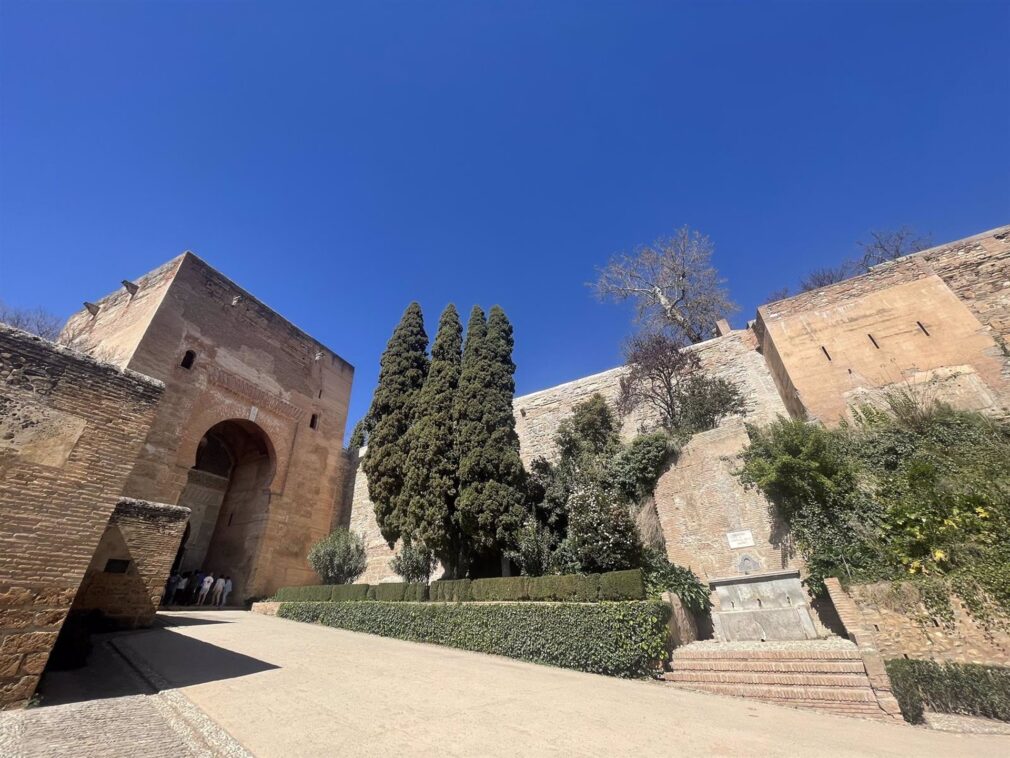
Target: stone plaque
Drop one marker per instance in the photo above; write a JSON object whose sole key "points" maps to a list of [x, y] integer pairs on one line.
{"points": [[740, 539]]}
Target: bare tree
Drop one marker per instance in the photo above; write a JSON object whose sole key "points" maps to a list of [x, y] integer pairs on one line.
{"points": [[888, 245], [675, 287], [33, 320], [880, 248], [665, 376]]}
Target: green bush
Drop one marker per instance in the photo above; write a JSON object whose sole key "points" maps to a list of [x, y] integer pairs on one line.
{"points": [[571, 587], [416, 592], [500, 588], [662, 576], [339, 558], [964, 688], [620, 639], [310, 593], [388, 592], [450, 590], [347, 592], [622, 585]]}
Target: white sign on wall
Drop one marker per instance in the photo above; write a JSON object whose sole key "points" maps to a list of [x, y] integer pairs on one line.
{"points": [[740, 539]]}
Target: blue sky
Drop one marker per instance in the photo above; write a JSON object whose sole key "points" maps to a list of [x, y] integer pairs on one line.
{"points": [[341, 159]]}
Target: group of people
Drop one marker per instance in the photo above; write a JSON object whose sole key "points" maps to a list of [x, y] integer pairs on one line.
{"points": [[195, 587]]}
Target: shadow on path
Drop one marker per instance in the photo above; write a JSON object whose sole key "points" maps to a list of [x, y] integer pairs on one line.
{"points": [[181, 661]]}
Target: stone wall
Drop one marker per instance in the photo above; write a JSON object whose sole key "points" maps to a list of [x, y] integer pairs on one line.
{"points": [[699, 500], [70, 431], [893, 620], [140, 540], [945, 309], [251, 366]]}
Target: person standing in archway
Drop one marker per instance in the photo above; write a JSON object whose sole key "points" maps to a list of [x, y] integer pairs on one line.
{"points": [[215, 595], [227, 590], [208, 582]]}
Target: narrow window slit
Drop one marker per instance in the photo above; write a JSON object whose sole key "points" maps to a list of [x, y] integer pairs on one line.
{"points": [[873, 341], [924, 331], [314, 421], [187, 359], [826, 353]]}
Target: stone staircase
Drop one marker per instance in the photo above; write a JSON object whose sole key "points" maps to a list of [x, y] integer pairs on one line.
{"points": [[827, 675]]}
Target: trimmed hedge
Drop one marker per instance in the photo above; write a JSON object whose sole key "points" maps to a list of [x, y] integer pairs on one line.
{"points": [[347, 592], [569, 587], [314, 592], [576, 588], [450, 590], [966, 688], [622, 585], [620, 639]]}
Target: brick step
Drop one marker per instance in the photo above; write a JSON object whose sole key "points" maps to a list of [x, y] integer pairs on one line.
{"points": [[785, 692], [737, 664], [769, 677], [709, 653]]}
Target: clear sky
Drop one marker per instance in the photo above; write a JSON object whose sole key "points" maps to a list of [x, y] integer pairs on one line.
{"points": [[341, 159]]}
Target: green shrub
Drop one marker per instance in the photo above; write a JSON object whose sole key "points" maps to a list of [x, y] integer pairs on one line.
{"points": [[622, 585], [388, 592], [620, 639], [416, 592], [339, 558], [500, 588], [662, 576], [450, 590], [571, 587], [964, 688], [347, 592], [414, 563], [310, 593]]}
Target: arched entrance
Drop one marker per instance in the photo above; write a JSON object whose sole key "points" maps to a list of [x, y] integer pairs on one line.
{"points": [[228, 492]]}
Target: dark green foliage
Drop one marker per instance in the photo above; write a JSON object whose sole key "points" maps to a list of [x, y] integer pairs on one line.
{"points": [[339, 558], [574, 588], [967, 689], [403, 368], [414, 563], [416, 592], [622, 585], [534, 548], [620, 639], [348, 592], [309, 593], [387, 592], [431, 477], [490, 506], [501, 588], [358, 435], [635, 470], [914, 490], [662, 576], [450, 591], [601, 532]]}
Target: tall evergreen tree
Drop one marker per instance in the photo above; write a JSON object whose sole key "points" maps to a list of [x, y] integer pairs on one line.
{"points": [[403, 368], [431, 479], [490, 508]]}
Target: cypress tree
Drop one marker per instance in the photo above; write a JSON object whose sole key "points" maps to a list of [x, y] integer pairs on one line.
{"points": [[490, 507], [431, 480], [403, 368]]}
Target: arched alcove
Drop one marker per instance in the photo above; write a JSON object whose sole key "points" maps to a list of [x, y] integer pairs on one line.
{"points": [[228, 492]]}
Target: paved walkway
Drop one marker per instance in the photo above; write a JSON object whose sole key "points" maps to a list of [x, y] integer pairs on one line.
{"points": [[281, 688]]}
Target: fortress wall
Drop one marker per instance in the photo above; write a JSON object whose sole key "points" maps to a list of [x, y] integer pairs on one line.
{"points": [[70, 431]]}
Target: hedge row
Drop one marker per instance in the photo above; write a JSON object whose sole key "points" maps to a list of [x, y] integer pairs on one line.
{"points": [[617, 585], [345, 592], [620, 639], [964, 688]]}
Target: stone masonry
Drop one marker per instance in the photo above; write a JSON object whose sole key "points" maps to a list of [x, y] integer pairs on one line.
{"points": [[70, 430]]}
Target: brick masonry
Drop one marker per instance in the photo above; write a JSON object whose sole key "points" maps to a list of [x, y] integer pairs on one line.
{"points": [[146, 535], [259, 373], [72, 428]]}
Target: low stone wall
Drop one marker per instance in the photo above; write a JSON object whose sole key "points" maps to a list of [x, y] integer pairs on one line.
{"points": [[892, 616]]}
